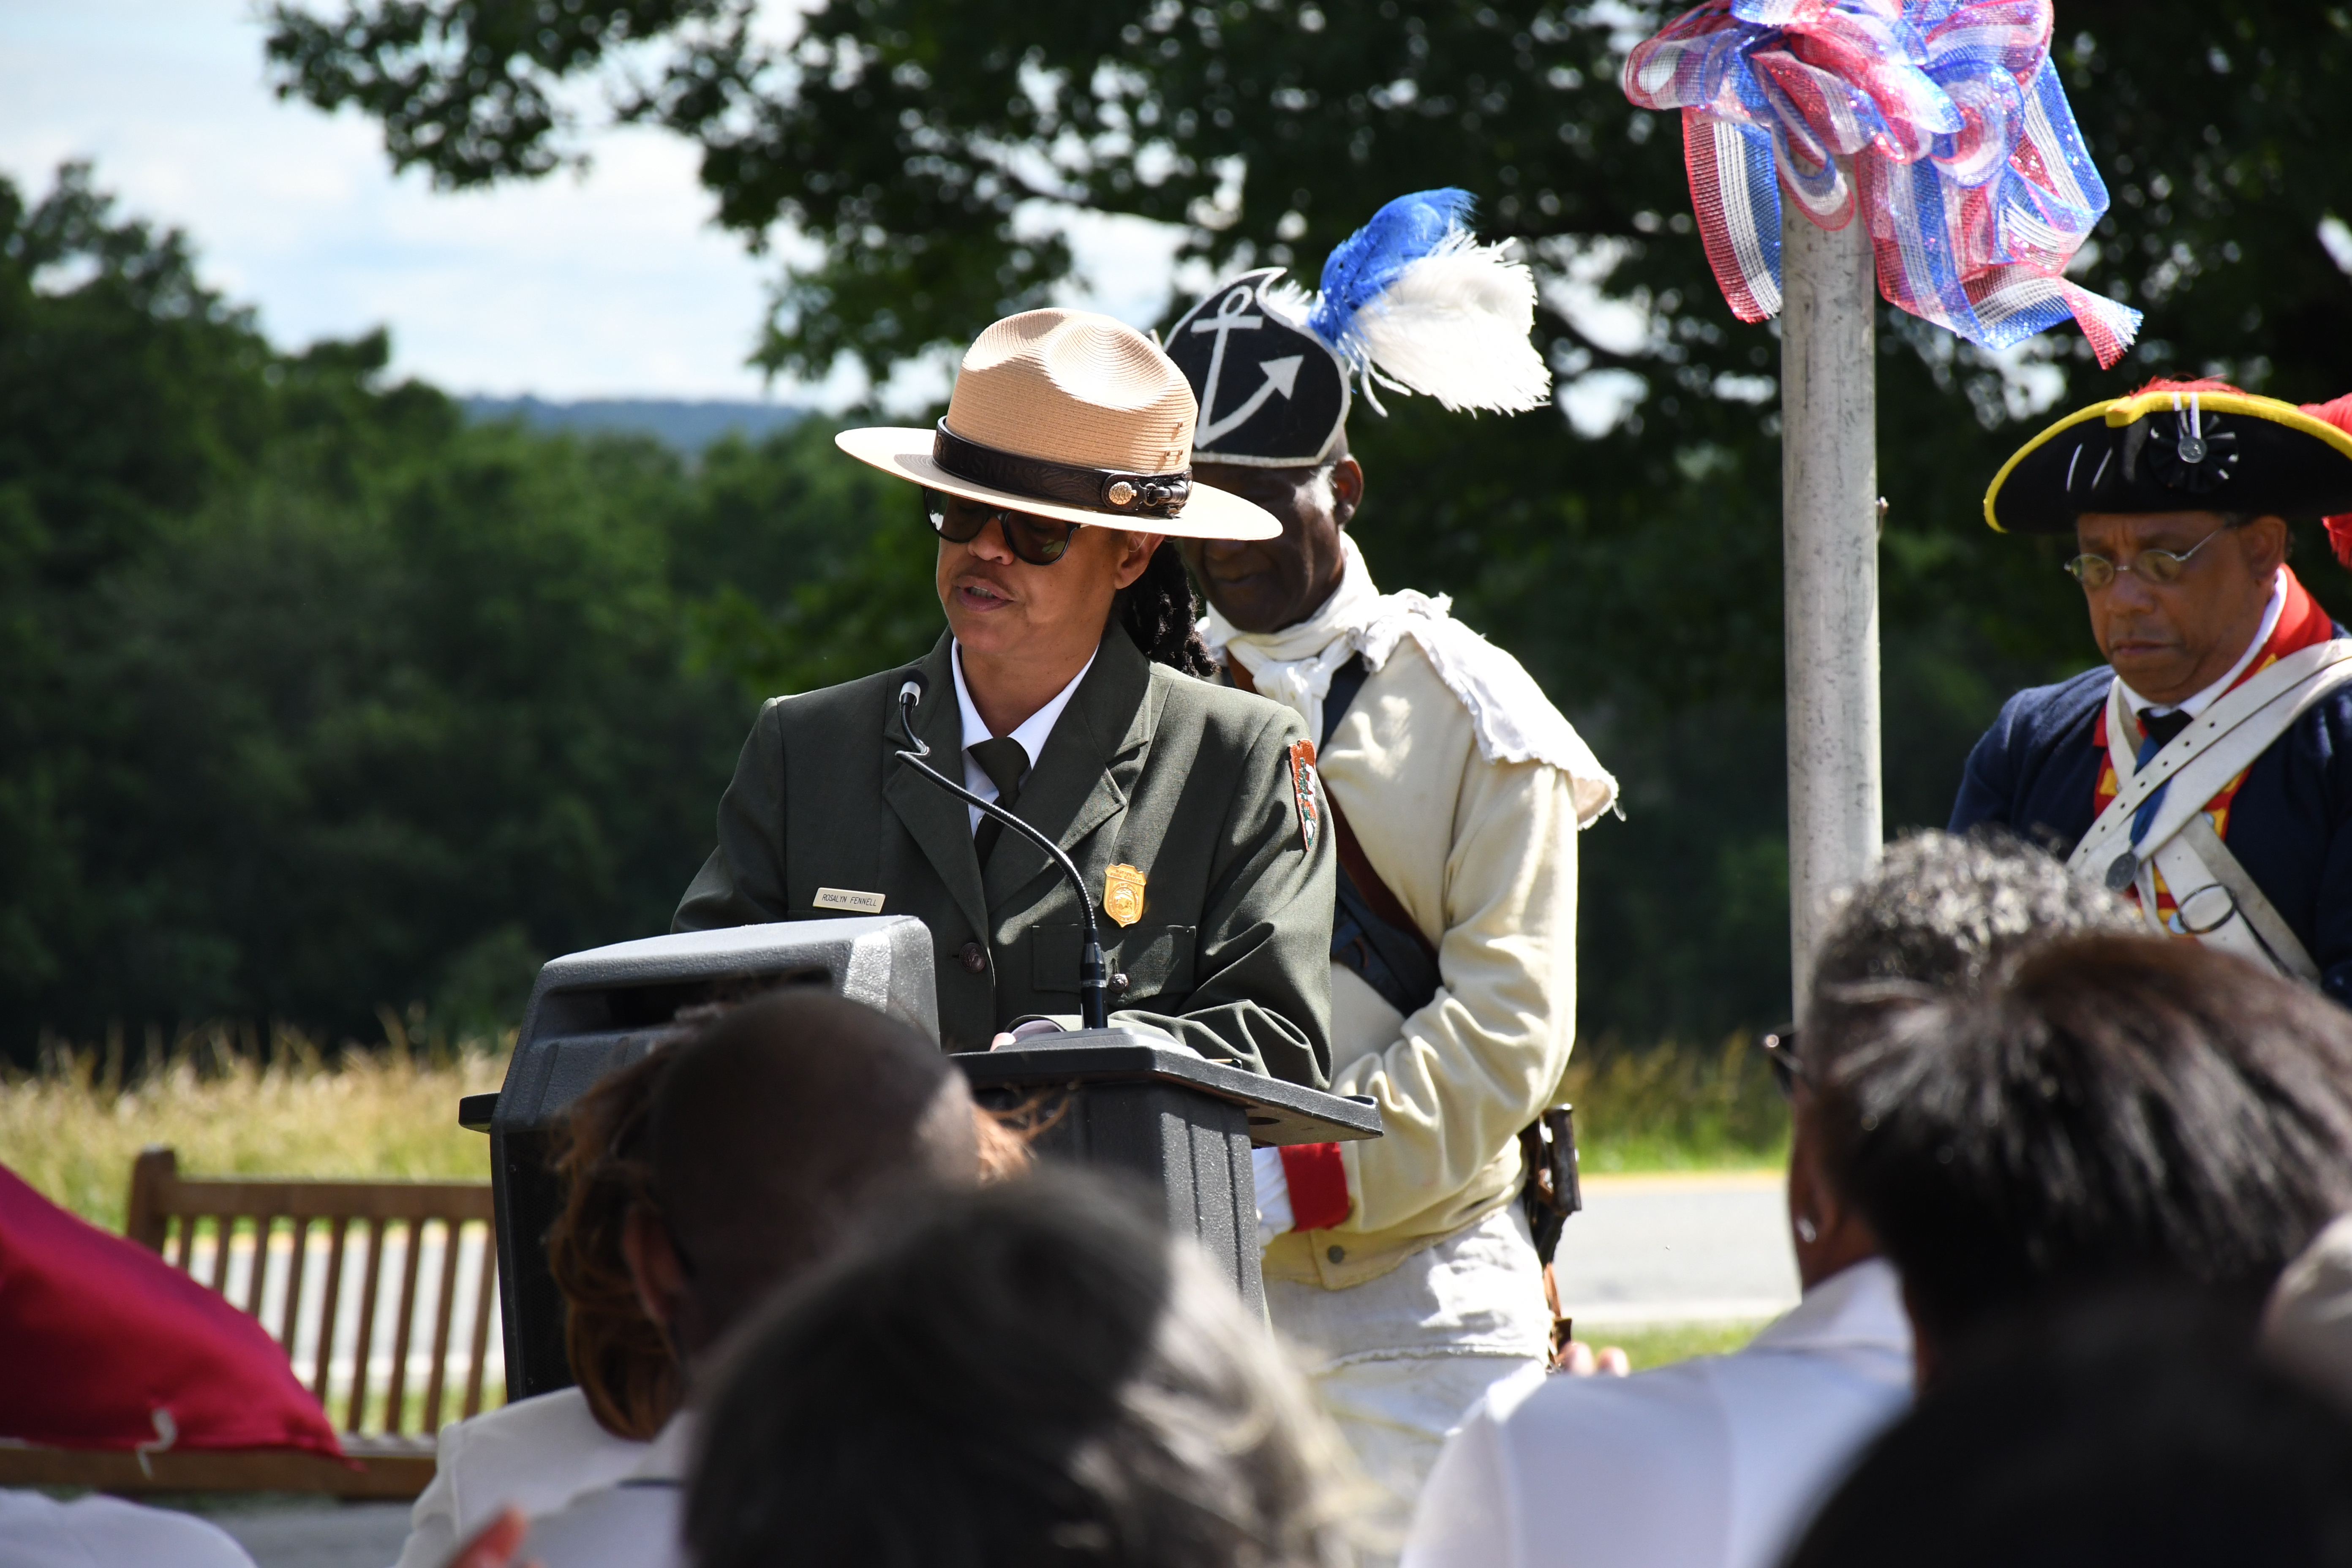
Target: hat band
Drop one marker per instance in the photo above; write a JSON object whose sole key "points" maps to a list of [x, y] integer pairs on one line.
{"points": [[1065, 484]]}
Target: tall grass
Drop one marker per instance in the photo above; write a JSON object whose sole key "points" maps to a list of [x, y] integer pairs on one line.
{"points": [[1674, 1106], [235, 1102]]}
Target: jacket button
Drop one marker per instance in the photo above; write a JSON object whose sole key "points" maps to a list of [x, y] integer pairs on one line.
{"points": [[974, 957], [1338, 1255]]}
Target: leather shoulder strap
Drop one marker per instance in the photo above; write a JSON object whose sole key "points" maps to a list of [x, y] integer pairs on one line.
{"points": [[2269, 927], [1407, 972], [2209, 753], [1346, 681]]}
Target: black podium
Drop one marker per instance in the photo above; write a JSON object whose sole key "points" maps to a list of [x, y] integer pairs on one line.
{"points": [[1138, 1101], [1134, 1099]]}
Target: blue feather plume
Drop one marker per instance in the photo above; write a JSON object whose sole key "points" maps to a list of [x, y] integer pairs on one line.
{"points": [[1372, 259], [1414, 302]]}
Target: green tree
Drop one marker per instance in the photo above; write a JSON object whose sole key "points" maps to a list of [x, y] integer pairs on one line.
{"points": [[319, 699], [930, 150]]}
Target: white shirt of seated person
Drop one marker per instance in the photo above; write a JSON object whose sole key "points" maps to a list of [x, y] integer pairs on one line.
{"points": [[536, 1455], [1715, 1462], [635, 1521], [39, 1531]]}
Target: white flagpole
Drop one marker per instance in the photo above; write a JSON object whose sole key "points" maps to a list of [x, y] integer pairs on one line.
{"points": [[1829, 499]]}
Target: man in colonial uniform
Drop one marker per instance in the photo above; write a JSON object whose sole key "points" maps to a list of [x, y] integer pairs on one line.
{"points": [[1456, 792], [2206, 770]]}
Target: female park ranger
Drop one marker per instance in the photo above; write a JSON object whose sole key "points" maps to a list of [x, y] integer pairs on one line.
{"points": [[1068, 681]]}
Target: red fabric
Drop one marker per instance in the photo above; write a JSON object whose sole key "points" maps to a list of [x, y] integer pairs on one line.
{"points": [[2339, 527], [1318, 1185], [99, 1334], [2202, 383]]}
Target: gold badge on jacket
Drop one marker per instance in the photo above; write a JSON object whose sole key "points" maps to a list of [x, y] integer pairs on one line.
{"points": [[1123, 894]]}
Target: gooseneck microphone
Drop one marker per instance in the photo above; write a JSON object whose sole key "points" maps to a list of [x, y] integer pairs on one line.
{"points": [[1093, 1009]]}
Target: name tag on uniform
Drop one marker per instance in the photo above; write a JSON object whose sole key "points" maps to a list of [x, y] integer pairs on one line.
{"points": [[849, 899]]}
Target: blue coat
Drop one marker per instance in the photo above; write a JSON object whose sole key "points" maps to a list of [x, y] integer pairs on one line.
{"points": [[2036, 768]]}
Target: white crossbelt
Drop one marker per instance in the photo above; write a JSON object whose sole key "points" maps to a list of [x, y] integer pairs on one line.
{"points": [[2213, 898]]}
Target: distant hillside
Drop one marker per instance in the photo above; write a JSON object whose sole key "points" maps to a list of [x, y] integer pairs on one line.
{"points": [[687, 426]]}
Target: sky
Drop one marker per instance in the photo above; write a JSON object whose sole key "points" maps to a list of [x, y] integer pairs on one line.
{"points": [[608, 285]]}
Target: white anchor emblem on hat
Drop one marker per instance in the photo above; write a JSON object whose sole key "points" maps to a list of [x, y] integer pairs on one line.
{"points": [[1281, 374]]}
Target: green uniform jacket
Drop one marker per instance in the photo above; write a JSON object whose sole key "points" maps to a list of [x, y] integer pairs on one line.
{"points": [[1187, 782]]}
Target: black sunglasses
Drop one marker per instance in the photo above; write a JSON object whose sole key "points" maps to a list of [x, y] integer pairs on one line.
{"points": [[1039, 541], [1779, 1048]]}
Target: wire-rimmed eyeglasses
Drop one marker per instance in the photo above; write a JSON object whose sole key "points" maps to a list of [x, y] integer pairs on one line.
{"points": [[2156, 565]]}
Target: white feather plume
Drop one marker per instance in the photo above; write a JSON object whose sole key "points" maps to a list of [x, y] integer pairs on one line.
{"points": [[1454, 326]]}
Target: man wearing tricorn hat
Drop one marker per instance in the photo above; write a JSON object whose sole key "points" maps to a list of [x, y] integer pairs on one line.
{"points": [[1456, 791], [1066, 683], [2204, 771]]}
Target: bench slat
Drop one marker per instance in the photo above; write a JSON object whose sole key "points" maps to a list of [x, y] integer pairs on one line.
{"points": [[336, 1227], [484, 1277], [395, 1397], [356, 1411], [442, 1315]]}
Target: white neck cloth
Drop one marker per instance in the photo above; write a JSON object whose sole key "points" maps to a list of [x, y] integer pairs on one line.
{"points": [[1515, 722]]}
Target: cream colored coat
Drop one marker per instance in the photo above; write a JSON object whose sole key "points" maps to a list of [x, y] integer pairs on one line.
{"points": [[1482, 856]]}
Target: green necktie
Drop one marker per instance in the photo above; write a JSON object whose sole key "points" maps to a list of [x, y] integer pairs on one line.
{"points": [[1003, 760]]}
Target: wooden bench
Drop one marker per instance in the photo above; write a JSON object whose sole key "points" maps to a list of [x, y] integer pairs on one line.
{"points": [[314, 1261]]}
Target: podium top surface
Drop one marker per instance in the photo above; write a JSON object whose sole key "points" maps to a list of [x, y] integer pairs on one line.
{"points": [[708, 951], [1279, 1112]]}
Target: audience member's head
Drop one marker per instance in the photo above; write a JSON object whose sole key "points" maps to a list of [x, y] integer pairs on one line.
{"points": [[2109, 1111], [2136, 1432], [619, 1356], [1938, 914], [1031, 1373], [770, 1136]]}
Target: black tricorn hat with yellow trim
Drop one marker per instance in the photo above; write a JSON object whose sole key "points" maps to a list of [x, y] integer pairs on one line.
{"points": [[2201, 446]]}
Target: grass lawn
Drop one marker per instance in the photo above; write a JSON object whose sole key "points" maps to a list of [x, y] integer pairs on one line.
{"points": [[231, 1107], [233, 1104], [1647, 1345]]}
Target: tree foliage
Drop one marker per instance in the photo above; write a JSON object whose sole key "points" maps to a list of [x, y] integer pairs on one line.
{"points": [[320, 700]]}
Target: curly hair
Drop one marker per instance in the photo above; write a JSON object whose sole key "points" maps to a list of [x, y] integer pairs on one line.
{"points": [[621, 1359], [1157, 609]]}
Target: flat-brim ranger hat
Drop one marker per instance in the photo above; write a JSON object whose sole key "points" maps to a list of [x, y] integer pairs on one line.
{"points": [[2175, 446], [1071, 415]]}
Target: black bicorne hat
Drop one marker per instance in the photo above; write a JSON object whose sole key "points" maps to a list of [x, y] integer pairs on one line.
{"points": [[1272, 394], [2169, 448]]}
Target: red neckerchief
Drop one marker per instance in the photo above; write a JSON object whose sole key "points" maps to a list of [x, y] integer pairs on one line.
{"points": [[2302, 623]]}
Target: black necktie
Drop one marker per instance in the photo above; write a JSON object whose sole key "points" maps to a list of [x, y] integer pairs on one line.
{"points": [[2162, 727], [1003, 760]]}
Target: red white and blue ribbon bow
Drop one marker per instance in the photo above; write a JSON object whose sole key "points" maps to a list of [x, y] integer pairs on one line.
{"points": [[1964, 156]]}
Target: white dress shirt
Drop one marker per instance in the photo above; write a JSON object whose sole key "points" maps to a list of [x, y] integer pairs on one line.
{"points": [[39, 1531], [1717, 1462], [537, 1454], [635, 1523], [1030, 732]]}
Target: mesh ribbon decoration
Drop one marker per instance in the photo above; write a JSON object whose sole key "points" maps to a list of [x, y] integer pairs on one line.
{"points": [[1943, 120]]}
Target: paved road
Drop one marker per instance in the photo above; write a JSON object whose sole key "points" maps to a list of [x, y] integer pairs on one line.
{"points": [[1678, 1248]]}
